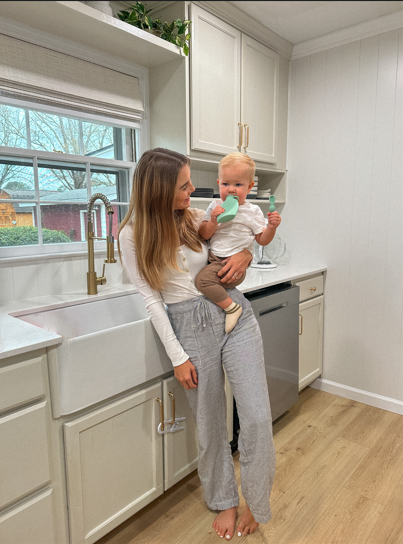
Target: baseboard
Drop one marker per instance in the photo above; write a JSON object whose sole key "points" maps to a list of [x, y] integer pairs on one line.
{"points": [[385, 403]]}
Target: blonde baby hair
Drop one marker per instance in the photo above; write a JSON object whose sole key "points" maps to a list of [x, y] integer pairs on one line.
{"points": [[238, 158]]}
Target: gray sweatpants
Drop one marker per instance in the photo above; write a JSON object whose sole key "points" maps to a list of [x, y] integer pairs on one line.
{"points": [[199, 326]]}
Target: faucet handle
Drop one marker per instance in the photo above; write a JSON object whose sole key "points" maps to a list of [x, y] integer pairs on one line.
{"points": [[102, 279]]}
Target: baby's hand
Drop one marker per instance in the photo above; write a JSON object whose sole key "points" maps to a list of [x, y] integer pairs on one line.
{"points": [[274, 219], [218, 210]]}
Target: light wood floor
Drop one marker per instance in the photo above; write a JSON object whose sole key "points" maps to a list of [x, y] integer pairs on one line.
{"points": [[339, 480]]}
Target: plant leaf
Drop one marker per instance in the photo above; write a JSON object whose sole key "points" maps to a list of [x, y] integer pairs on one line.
{"points": [[186, 49], [187, 37]]}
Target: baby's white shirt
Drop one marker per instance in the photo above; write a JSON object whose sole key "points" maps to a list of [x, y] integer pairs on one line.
{"points": [[239, 233]]}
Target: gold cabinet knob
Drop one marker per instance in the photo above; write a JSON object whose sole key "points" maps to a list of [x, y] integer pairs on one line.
{"points": [[313, 289]]}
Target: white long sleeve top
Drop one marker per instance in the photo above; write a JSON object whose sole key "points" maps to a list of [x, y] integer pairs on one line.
{"points": [[179, 286]]}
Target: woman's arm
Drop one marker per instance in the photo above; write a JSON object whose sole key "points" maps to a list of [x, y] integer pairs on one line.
{"points": [[153, 301], [235, 265]]}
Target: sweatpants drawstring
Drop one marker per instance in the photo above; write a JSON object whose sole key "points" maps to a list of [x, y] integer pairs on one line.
{"points": [[201, 314]]}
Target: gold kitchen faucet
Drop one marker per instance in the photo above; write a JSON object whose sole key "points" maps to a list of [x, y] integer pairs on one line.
{"points": [[92, 280]]}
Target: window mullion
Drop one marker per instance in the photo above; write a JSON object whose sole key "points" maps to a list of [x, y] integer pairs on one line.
{"points": [[28, 129], [37, 198], [88, 178], [81, 136]]}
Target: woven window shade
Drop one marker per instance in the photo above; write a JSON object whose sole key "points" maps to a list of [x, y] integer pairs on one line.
{"points": [[41, 75]]}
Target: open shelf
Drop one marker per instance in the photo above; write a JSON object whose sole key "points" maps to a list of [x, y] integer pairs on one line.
{"points": [[90, 27], [252, 200], [208, 165]]}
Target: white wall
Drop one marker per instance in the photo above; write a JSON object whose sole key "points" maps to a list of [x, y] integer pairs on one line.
{"points": [[34, 278], [345, 202]]}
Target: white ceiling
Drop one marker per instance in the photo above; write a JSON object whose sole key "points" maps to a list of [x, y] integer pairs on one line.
{"points": [[300, 21]]}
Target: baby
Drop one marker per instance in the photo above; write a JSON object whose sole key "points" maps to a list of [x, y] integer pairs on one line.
{"points": [[235, 173]]}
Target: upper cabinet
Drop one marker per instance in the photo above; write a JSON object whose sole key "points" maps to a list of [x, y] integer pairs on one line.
{"points": [[230, 95], [234, 90], [259, 99], [215, 86]]}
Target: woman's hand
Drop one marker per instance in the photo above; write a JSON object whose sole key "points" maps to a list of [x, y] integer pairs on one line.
{"points": [[235, 265], [186, 375]]}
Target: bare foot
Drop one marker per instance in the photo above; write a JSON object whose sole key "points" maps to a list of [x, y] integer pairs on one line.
{"points": [[247, 524], [224, 523]]}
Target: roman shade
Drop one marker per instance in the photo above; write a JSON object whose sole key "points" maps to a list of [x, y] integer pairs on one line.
{"points": [[38, 74]]}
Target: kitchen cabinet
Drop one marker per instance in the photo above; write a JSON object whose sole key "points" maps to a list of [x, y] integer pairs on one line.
{"points": [[201, 107], [234, 90], [181, 449], [311, 330], [215, 69], [27, 510], [117, 462], [114, 463]]}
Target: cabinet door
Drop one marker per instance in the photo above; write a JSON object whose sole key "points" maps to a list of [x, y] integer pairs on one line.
{"points": [[310, 341], [181, 449], [259, 91], [114, 464], [215, 84]]}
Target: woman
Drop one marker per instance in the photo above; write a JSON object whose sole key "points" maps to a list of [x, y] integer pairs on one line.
{"points": [[163, 253]]}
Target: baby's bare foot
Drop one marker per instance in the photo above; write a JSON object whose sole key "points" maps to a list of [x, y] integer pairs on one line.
{"points": [[224, 523], [247, 524]]}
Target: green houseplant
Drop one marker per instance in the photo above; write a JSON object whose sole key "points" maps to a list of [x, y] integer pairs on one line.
{"points": [[175, 32]]}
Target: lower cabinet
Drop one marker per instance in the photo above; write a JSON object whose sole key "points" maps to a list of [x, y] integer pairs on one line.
{"points": [[27, 505], [29, 523], [310, 329], [181, 449], [310, 340], [117, 461]]}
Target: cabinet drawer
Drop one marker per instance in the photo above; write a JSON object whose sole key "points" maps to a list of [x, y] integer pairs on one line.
{"points": [[310, 288], [30, 522], [24, 459], [22, 382]]}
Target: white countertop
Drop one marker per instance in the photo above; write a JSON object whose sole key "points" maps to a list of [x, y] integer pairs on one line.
{"points": [[17, 336]]}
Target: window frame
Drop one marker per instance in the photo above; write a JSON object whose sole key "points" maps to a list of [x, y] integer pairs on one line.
{"points": [[132, 149]]}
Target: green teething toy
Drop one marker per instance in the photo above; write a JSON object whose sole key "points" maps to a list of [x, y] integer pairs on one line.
{"points": [[230, 206], [272, 200]]}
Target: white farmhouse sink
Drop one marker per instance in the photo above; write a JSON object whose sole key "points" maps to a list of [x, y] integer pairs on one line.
{"points": [[109, 346]]}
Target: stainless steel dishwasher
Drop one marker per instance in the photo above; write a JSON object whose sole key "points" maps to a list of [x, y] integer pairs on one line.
{"points": [[277, 312]]}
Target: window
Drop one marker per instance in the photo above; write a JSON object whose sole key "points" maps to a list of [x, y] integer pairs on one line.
{"points": [[51, 163]]}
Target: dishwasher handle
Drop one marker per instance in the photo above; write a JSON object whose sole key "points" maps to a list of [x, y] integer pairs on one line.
{"points": [[273, 309]]}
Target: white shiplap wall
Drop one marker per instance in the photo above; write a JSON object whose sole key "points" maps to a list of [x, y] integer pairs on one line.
{"points": [[345, 203]]}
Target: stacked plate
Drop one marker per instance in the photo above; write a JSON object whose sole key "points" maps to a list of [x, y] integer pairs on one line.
{"points": [[254, 190], [203, 192], [264, 194]]}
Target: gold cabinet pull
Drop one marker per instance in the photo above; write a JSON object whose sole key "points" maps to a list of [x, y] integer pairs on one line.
{"points": [[241, 131], [161, 414], [313, 289], [173, 407], [302, 324], [247, 136]]}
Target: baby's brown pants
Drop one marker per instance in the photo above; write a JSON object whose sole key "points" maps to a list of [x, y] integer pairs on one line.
{"points": [[208, 283]]}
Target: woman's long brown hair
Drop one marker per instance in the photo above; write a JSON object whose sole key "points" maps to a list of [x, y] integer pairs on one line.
{"points": [[158, 230]]}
